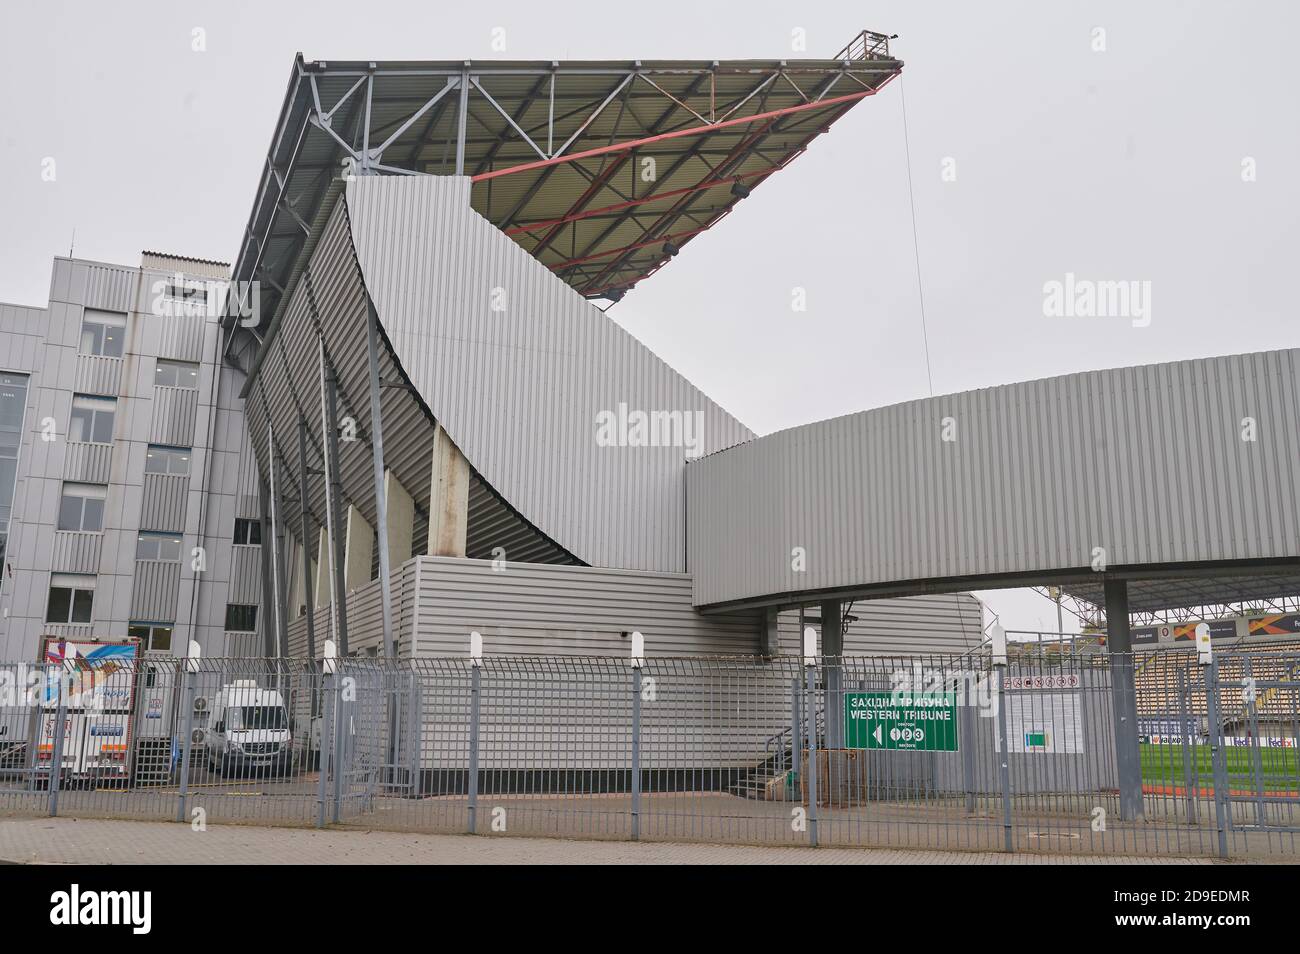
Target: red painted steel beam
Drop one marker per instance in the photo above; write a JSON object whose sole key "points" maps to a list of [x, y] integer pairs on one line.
{"points": [[627, 248], [675, 134], [619, 206], [627, 283]]}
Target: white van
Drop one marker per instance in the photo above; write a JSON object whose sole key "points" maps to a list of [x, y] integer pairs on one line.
{"points": [[248, 731]]}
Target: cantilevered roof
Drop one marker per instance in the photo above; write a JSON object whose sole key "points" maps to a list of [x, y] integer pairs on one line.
{"points": [[602, 170]]}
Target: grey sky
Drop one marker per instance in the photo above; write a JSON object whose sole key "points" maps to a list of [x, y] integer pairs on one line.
{"points": [[1117, 165]]}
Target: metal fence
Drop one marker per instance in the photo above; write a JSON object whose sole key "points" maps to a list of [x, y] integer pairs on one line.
{"points": [[941, 752]]}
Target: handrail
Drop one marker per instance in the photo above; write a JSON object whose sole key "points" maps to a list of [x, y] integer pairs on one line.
{"points": [[866, 45]]}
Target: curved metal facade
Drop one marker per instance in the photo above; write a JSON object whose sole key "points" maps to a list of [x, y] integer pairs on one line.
{"points": [[516, 366], [1150, 464]]}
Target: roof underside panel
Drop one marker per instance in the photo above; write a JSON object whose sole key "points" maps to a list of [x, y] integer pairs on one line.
{"points": [[632, 154], [519, 370]]}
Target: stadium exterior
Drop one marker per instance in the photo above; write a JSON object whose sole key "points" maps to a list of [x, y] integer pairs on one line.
{"points": [[143, 401], [400, 418], [408, 397]]}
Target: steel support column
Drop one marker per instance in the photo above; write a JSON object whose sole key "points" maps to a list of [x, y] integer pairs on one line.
{"points": [[308, 582], [333, 500], [833, 672], [267, 610], [381, 494], [280, 601], [1123, 694]]}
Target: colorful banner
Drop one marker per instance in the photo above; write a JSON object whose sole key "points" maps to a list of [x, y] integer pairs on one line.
{"points": [[1277, 624]]}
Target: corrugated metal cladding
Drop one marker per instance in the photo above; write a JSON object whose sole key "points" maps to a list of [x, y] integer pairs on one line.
{"points": [[331, 302], [948, 623], [107, 287], [180, 337], [534, 608], [519, 389], [87, 463], [174, 411], [1148, 463], [75, 552], [163, 502], [245, 575], [154, 589], [190, 267], [97, 374]]}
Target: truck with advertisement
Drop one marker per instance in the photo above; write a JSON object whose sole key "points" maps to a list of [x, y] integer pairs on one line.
{"points": [[93, 683]]}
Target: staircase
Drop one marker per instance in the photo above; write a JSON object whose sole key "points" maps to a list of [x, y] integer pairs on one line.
{"points": [[780, 761]]}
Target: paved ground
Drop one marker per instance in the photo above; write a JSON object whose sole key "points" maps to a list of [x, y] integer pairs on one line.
{"points": [[69, 840]]}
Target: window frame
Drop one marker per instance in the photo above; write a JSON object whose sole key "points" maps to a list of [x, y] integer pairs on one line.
{"points": [[178, 367], [100, 322], [70, 491], [252, 611], [158, 537], [82, 595], [250, 525], [171, 454], [97, 408]]}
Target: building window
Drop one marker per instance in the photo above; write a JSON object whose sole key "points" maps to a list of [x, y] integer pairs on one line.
{"points": [[13, 409], [102, 333], [176, 374], [158, 546], [82, 507], [167, 460], [72, 597], [248, 532], [189, 293], [92, 419], [156, 637], [241, 618]]}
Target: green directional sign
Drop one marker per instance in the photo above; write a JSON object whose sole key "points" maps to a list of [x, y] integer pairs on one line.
{"points": [[901, 721]]}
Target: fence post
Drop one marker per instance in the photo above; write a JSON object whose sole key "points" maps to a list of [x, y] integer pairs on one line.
{"points": [[1217, 754], [56, 756], [810, 706], [999, 637], [323, 751], [475, 703], [638, 660], [1189, 782], [191, 668], [413, 735], [966, 732], [338, 755]]}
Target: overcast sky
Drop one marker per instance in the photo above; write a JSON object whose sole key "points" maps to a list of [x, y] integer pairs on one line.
{"points": [[1131, 162]]}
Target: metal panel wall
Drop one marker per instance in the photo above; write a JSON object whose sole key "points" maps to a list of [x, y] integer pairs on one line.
{"points": [[534, 608], [156, 586], [163, 503], [75, 552], [87, 463], [107, 287], [517, 366], [246, 574], [174, 411], [1148, 464], [947, 623], [97, 374], [331, 303], [181, 337]]}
